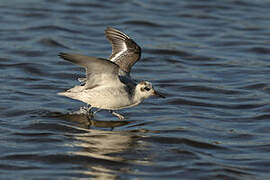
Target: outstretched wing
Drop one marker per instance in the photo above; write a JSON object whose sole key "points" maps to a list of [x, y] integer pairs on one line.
{"points": [[125, 52], [99, 71]]}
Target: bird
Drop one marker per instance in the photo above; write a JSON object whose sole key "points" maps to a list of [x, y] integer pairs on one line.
{"points": [[108, 84]]}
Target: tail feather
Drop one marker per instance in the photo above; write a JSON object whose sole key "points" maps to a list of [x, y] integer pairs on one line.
{"points": [[62, 93]]}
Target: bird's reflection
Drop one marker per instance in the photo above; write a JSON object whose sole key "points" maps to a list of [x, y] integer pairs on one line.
{"points": [[86, 121], [106, 152]]}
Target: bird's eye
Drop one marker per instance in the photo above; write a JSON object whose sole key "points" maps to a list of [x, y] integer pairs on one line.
{"points": [[147, 89]]}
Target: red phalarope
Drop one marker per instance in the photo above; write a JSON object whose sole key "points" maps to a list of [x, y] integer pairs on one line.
{"points": [[108, 84]]}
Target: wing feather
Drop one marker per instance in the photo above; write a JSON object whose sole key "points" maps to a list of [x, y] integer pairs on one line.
{"points": [[99, 72], [125, 52]]}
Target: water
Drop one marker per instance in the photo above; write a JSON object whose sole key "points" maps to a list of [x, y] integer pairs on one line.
{"points": [[210, 58]]}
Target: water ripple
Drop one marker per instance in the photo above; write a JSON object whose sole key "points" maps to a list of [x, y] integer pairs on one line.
{"points": [[208, 58]]}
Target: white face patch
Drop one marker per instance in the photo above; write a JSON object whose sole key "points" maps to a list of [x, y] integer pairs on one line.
{"points": [[145, 86]]}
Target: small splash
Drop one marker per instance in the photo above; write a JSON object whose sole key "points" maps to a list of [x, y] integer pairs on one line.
{"points": [[82, 111]]}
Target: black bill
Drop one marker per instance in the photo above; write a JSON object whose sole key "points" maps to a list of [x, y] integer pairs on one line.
{"points": [[158, 94]]}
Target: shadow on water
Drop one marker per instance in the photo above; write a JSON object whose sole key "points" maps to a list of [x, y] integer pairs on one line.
{"points": [[88, 122], [84, 152], [100, 149]]}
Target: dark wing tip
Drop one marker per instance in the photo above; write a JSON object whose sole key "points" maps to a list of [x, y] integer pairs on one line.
{"points": [[63, 55], [109, 28], [112, 33], [71, 58]]}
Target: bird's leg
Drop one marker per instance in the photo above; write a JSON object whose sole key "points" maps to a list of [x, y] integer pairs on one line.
{"points": [[83, 110], [96, 111], [89, 107], [90, 114], [121, 117]]}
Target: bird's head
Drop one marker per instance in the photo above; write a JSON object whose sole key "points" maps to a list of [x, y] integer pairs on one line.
{"points": [[145, 89]]}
